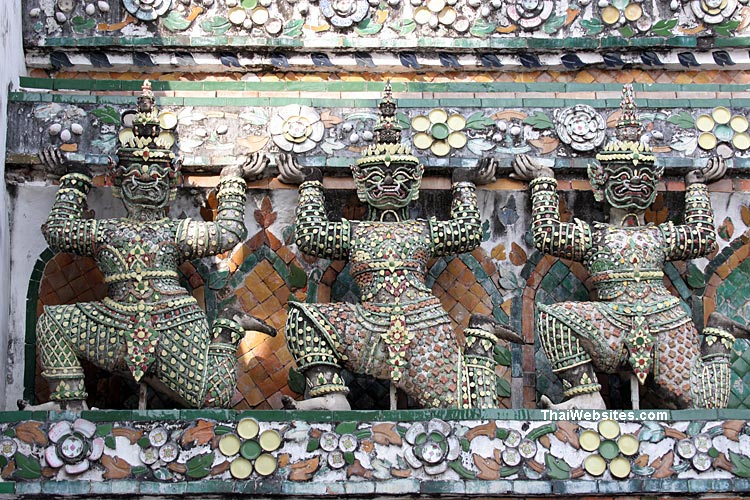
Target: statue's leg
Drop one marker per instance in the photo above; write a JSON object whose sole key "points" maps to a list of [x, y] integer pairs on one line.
{"points": [[478, 379], [570, 362], [222, 361], [711, 378], [60, 365], [317, 360]]}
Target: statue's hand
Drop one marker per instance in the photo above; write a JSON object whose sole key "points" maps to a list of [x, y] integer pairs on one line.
{"points": [[526, 169], [249, 167], [714, 170], [482, 173], [57, 164], [290, 172]]}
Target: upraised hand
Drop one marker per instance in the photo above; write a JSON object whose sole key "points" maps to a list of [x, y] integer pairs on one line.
{"points": [[714, 170], [249, 167], [482, 173], [57, 164], [526, 169], [290, 172]]}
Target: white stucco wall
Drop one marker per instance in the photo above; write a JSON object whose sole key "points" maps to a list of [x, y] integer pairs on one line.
{"points": [[11, 55]]}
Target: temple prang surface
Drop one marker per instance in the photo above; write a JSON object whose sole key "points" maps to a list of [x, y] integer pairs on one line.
{"points": [[444, 207]]}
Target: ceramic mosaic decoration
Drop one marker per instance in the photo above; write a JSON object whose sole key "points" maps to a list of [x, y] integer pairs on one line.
{"points": [[399, 332], [637, 322], [148, 325]]}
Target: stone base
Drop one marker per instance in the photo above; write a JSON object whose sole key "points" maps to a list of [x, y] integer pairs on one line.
{"points": [[419, 453]]}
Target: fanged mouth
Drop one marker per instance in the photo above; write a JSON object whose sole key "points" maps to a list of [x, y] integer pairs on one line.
{"points": [[388, 192], [629, 191]]}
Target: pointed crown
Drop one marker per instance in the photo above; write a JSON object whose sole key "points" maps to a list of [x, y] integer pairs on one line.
{"points": [[627, 147], [145, 134], [387, 132]]}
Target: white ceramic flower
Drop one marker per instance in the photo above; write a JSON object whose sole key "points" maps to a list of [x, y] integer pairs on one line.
{"points": [[296, 128], [433, 446], [72, 446], [530, 14], [581, 127], [344, 13], [147, 10], [713, 11]]}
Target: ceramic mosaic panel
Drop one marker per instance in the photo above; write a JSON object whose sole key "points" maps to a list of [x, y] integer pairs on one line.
{"points": [[410, 452]]}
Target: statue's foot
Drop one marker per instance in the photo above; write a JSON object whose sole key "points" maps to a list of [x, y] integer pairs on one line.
{"points": [[332, 402], [24, 405], [590, 401], [489, 324], [718, 320], [75, 406]]}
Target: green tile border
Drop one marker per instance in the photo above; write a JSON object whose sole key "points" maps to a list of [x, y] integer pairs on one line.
{"points": [[369, 43], [643, 89], [379, 415]]}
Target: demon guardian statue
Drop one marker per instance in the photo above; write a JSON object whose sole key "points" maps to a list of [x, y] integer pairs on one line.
{"points": [[636, 321], [148, 325], [399, 331]]}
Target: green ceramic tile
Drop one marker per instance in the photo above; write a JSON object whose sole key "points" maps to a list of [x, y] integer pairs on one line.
{"points": [[490, 488], [214, 102], [584, 87], [545, 43], [542, 102], [523, 487], [223, 85], [502, 103], [460, 103], [28, 488], [65, 488], [647, 42], [694, 415], [721, 41], [152, 488], [284, 101], [293, 488], [209, 414], [442, 488], [573, 487], [156, 415], [709, 485], [121, 99], [359, 487], [397, 487], [7, 487], [307, 86], [209, 486], [581, 43], [23, 97], [15, 416], [613, 41], [108, 415], [74, 98], [37, 83]]}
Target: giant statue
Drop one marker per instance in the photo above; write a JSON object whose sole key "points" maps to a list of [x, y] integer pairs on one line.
{"points": [[149, 326], [636, 323], [399, 331]]}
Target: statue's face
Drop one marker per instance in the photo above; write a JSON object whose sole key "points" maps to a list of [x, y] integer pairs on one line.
{"points": [[143, 184], [630, 187], [388, 187]]}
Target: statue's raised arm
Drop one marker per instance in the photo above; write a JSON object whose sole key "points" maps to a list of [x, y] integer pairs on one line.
{"points": [[569, 240], [65, 229], [314, 233], [696, 236]]}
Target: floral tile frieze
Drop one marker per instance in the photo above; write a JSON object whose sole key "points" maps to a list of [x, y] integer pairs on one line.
{"points": [[443, 135], [272, 22], [311, 449]]}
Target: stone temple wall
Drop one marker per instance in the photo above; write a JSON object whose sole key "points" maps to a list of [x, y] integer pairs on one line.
{"points": [[472, 79]]}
